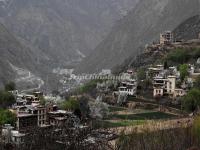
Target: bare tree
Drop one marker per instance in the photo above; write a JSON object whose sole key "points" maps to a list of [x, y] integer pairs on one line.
{"points": [[66, 138]]}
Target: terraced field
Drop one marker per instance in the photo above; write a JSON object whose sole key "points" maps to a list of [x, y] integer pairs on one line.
{"points": [[122, 117]]}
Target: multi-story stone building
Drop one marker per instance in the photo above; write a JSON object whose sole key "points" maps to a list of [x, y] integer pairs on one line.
{"points": [[58, 118], [155, 71], [128, 87], [166, 86], [40, 112], [26, 122], [166, 38]]}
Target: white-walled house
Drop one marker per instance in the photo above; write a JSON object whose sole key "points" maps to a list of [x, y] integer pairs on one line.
{"points": [[12, 136], [128, 87], [158, 92], [159, 86], [155, 71], [162, 86], [171, 84]]}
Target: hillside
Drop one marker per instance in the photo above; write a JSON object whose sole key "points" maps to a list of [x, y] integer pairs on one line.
{"points": [[14, 54], [65, 30], [187, 30], [141, 26]]}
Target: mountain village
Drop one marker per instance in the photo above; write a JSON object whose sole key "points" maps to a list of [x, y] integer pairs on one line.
{"points": [[166, 85]]}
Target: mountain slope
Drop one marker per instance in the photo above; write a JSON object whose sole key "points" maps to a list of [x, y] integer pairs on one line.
{"points": [[13, 53], [65, 30], [139, 27], [189, 29]]}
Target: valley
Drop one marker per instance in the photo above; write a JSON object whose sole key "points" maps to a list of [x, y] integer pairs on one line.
{"points": [[99, 75]]}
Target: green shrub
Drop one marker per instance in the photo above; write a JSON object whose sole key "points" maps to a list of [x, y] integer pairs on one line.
{"points": [[87, 87], [10, 86], [178, 56], [70, 104], [191, 101], [6, 99], [197, 82], [183, 71], [7, 117]]}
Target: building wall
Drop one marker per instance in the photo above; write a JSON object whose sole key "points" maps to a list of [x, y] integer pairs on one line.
{"points": [[171, 85], [42, 116], [26, 123], [128, 91], [166, 37], [179, 93], [158, 92]]}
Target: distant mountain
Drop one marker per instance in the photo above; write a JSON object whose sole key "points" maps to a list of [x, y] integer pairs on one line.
{"points": [[65, 30], [141, 26], [13, 54]]}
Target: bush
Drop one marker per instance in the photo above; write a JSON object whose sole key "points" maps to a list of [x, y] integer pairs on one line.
{"points": [[10, 86], [191, 101], [87, 87], [70, 104], [183, 71], [6, 99], [141, 74], [7, 117], [197, 82], [195, 53], [178, 56]]}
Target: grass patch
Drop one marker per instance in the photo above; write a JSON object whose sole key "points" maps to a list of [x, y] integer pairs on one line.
{"points": [[124, 123], [142, 116], [114, 109]]}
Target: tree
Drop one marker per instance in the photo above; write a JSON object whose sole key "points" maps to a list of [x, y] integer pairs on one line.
{"points": [[166, 65], [196, 53], [197, 82], [87, 87], [6, 99], [179, 56], [183, 71], [10, 86], [141, 74], [42, 100], [79, 138], [70, 104], [7, 117], [191, 101], [98, 109], [84, 106]]}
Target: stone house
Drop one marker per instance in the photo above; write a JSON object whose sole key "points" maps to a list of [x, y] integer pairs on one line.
{"points": [[166, 38], [167, 86]]}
